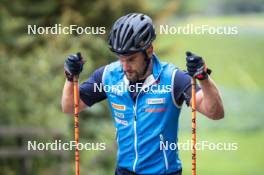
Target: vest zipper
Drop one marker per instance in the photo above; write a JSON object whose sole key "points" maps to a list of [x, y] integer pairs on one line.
{"points": [[135, 138], [164, 152], [135, 129]]}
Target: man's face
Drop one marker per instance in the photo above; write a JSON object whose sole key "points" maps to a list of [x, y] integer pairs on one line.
{"points": [[133, 66]]}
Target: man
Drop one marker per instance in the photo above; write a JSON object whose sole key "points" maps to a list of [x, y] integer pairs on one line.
{"points": [[145, 96]]}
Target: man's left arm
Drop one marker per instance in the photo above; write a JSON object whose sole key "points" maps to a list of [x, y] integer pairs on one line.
{"points": [[208, 100]]}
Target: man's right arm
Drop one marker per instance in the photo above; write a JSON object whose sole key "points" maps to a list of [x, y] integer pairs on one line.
{"points": [[88, 96], [67, 102], [73, 66]]}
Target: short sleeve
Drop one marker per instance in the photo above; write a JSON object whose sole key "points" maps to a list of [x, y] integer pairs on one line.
{"points": [[88, 94], [182, 88]]}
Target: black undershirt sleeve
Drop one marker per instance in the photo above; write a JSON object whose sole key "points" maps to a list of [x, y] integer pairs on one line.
{"points": [[182, 88]]}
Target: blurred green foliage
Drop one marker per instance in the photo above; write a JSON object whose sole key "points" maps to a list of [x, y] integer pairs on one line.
{"points": [[32, 78]]}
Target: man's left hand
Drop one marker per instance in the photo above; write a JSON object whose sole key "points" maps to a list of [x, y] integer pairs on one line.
{"points": [[196, 66]]}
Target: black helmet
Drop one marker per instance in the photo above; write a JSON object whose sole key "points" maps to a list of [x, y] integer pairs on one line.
{"points": [[131, 33]]}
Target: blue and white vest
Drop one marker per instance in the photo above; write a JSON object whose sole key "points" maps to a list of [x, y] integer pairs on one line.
{"points": [[146, 128]]}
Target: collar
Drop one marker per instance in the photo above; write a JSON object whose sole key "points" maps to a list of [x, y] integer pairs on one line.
{"points": [[156, 66]]}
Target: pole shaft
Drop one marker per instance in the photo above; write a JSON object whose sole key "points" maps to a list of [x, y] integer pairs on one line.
{"points": [[193, 126], [76, 123]]}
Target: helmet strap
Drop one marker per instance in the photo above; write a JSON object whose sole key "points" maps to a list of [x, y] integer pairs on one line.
{"points": [[147, 60]]}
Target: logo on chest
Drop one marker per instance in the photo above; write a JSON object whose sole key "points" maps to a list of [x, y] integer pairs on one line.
{"points": [[155, 101], [157, 105], [118, 106]]}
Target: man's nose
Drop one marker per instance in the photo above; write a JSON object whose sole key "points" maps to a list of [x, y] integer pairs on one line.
{"points": [[126, 66]]}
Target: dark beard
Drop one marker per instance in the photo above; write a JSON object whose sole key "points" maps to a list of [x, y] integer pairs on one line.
{"points": [[136, 78]]}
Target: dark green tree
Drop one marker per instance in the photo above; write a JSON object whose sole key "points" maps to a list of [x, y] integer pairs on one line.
{"points": [[31, 73]]}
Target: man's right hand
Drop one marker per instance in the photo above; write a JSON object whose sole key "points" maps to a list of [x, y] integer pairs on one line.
{"points": [[73, 66]]}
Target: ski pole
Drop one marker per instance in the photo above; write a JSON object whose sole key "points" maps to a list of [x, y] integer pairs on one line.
{"points": [[193, 126], [76, 123]]}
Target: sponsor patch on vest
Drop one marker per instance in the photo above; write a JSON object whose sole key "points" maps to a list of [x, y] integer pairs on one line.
{"points": [[118, 106], [155, 101], [118, 114], [155, 110], [123, 122]]}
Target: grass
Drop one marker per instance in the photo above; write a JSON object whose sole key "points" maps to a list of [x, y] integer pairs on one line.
{"points": [[245, 160], [236, 60]]}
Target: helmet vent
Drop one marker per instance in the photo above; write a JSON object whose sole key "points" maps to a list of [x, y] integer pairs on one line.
{"points": [[129, 15], [129, 34], [142, 17]]}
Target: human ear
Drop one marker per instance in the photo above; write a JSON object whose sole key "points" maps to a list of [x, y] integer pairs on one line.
{"points": [[149, 51]]}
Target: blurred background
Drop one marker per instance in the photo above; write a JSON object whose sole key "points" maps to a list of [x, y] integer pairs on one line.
{"points": [[32, 78]]}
